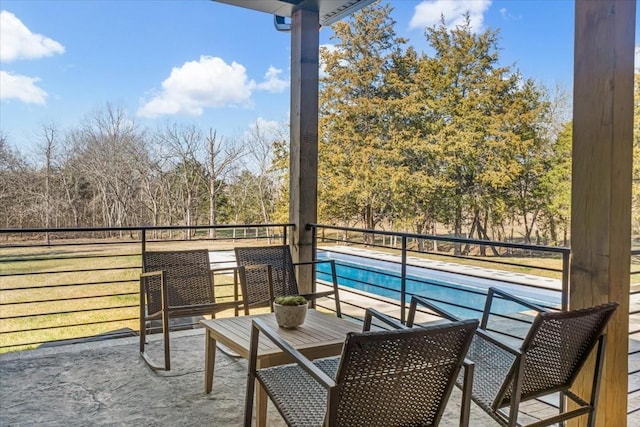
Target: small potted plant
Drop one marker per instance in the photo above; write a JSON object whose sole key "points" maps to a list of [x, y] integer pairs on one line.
{"points": [[290, 310]]}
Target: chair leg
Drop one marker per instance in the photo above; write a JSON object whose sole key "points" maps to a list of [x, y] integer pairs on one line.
{"points": [[597, 376], [143, 338], [251, 377], [467, 386], [143, 333], [142, 316], [334, 278], [165, 332]]}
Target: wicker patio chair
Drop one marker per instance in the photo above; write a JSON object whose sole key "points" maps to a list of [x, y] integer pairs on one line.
{"points": [[549, 359], [267, 272], [175, 284], [383, 378]]}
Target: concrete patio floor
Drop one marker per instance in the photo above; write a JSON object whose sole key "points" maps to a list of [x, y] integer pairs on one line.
{"points": [[106, 383]]}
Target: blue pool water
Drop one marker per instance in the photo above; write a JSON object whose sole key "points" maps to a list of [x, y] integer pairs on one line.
{"points": [[461, 295]]}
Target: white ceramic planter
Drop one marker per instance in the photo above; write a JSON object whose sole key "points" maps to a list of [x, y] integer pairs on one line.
{"points": [[290, 316]]}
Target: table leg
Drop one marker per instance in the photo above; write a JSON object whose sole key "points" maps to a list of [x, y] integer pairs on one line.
{"points": [[261, 403], [261, 406], [209, 361]]}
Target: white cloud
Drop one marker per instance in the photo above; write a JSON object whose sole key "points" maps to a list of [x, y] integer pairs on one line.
{"points": [[428, 13], [507, 16], [14, 86], [18, 42], [265, 129], [207, 83], [272, 82], [636, 61]]}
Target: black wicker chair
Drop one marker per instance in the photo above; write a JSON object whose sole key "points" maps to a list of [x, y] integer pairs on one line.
{"points": [[267, 272], [383, 378], [175, 284], [549, 359]]}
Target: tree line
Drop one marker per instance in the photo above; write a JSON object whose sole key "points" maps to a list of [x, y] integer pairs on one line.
{"points": [[110, 172], [447, 140]]}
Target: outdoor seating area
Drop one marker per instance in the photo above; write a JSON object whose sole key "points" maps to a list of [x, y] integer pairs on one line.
{"points": [[107, 383], [388, 374]]}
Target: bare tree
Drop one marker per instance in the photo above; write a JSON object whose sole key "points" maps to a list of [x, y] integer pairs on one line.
{"points": [[14, 176], [262, 138], [183, 150], [110, 147], [48, 149], [222, 158]]}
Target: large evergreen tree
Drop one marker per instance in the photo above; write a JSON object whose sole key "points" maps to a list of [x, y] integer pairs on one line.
{"points": [[356, 151]]}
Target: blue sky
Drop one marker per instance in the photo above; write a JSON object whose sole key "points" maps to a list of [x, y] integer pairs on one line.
{"points": [[210, 64]]}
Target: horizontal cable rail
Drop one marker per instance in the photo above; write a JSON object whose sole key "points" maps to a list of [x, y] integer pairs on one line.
{"points": [[73, 284]]}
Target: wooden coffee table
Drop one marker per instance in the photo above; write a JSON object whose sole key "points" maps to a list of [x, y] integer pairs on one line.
{"points": [[321, 335]]}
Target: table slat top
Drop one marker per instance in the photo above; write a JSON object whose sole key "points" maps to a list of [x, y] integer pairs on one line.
{"points": [[318, 330]]}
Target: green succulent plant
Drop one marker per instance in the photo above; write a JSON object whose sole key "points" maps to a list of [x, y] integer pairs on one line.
{"points": [[291, 300]]}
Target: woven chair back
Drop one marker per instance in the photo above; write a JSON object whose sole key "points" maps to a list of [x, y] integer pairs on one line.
{"points": [[400, 377], [257, 281], [556, 347], [187, 274]]}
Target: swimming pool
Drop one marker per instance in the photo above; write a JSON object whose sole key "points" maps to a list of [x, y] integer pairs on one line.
{"points": [[461, 295]]}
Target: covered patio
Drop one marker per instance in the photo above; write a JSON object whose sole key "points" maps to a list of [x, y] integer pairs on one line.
{"points": [[107, 383]]}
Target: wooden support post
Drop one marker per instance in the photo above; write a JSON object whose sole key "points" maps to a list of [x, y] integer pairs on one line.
{"points": [[601, 183], [303, 185]]}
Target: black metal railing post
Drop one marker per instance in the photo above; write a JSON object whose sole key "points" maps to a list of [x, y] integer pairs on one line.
{"points": [[403, 281], [566, 258], [143, 241]]}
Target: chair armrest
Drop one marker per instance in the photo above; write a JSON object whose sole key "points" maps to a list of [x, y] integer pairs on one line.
{"points": [[334, 282], [495, 291], [481, 334], [323, 379], [415, 300], [505, 295], [334, 277], [316, 295], [370, 313]]}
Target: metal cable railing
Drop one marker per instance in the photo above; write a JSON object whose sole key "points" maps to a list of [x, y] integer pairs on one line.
{"points": [[84, 283]]}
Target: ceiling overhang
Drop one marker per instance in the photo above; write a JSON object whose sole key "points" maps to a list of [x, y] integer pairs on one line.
{"points": [[330, 11]]}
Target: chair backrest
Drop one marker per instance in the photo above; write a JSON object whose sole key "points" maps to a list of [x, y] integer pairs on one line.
{"points": [[556, 347], [257, 281], [399, 377], [187, 274]]}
